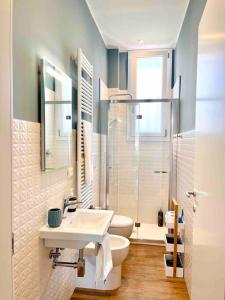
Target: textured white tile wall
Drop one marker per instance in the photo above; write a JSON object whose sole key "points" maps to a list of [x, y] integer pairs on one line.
{"points": [[184, 152], [33, 194]]}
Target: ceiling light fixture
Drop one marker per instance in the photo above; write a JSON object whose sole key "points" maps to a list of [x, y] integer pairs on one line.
{"points": [[141, 41]]}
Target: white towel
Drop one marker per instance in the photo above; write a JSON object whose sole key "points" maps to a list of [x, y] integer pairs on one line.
{"points": [[103, 260], [88, 151]]}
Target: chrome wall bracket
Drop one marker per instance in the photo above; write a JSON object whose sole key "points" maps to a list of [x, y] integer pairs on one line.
{"points": [[79, 265]]}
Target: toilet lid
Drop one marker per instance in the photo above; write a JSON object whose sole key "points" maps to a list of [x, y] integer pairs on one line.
{"points": [[121, 221]]}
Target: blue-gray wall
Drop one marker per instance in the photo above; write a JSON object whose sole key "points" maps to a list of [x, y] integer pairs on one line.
{"points": [[53, 29], [186, 63], [123, 70], [117, 69], [113, 68]]}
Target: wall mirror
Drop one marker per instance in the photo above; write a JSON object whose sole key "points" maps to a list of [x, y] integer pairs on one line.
{"points": [[56, 117]]}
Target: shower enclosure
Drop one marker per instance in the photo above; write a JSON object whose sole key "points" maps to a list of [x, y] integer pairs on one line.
{"points": [[139, 161]]}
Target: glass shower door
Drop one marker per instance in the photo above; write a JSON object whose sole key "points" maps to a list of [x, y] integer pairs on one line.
{"points": [[154, 167], [139, 150], [123, 165]]}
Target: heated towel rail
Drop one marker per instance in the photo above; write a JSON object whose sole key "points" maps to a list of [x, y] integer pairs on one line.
{"points": [[85, 112]]}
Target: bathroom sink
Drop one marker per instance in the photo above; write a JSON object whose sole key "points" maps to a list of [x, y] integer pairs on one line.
{"points": [[78, 229]]}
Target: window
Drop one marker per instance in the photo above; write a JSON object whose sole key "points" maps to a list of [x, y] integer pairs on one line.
{"points": [[149, 74], [148, 79], [149, 121]]}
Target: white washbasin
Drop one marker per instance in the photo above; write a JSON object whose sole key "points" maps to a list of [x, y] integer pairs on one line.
{"points": [[78, 229]]}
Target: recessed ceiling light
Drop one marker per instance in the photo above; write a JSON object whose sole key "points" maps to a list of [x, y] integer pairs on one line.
{"points": [[141, 41]]}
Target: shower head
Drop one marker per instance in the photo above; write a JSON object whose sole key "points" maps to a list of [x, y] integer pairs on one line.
{"points": [[116, 120]]}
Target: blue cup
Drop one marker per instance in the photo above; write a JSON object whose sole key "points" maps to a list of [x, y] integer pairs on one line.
{"points": [[54, 217]]}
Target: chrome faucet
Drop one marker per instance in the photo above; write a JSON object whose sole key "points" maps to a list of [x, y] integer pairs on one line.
{"points": [[68, 202]]}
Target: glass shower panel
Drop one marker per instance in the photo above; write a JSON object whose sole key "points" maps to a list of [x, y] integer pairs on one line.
{"points": [[139, 149], [123, 162], [154, 168]]}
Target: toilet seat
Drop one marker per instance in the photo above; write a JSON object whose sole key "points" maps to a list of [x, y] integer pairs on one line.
{"points": [[121, 225], [121, 221]]}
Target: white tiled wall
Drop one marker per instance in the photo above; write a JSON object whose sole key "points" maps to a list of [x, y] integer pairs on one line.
{"points": [[184, 151], [103, 158], [96, 168], [116, 91], [33, 194], [104, 92]]}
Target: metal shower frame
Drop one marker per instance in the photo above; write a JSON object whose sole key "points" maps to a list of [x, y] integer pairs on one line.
{"points": [[175, 128]]}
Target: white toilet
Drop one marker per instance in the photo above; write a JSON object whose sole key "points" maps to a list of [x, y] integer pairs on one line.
{"points": [[121, 225], [119, 248]]}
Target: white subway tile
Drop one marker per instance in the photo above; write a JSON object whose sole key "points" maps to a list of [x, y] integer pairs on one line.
{"points": [[184, 151]]}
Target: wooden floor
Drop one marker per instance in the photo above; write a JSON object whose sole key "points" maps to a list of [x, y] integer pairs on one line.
{"points": [[143, 278]]}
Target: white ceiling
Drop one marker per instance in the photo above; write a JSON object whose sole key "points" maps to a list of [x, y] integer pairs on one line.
{"points": [[123, 23]]}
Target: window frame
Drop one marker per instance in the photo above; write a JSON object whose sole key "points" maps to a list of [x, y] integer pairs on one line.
{"points": [[166, 92], [167, 70]]}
